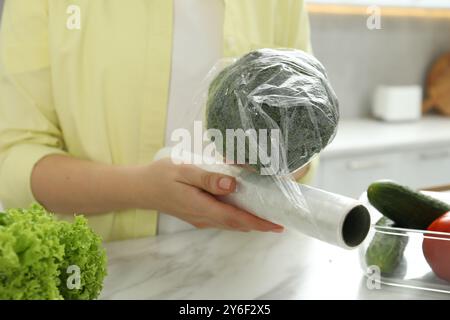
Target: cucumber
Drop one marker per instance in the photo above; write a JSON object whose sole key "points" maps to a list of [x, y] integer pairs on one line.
{"points": [[386, 250], [406, 207]]}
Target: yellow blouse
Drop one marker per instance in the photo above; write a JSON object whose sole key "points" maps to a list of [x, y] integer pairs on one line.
{"points": [[100, 91]]}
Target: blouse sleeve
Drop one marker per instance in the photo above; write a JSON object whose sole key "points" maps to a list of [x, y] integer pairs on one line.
{"points": [[29, 128]]}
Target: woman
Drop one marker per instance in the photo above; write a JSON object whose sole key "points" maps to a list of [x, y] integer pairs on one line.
{"points": [[90, 89]]}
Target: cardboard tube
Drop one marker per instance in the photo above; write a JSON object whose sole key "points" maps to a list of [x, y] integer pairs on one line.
{"points": [[332, 218]]}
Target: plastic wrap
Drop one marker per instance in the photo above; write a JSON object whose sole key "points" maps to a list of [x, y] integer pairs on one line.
{"points": [[282, 91], [328, 217], [267, 115]]}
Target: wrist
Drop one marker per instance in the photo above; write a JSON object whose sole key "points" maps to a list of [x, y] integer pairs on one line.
{"points": [[138, 190], [119, 185]]}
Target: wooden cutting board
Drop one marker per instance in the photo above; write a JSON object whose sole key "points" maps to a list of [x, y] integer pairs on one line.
{"points": [[437, 86]]}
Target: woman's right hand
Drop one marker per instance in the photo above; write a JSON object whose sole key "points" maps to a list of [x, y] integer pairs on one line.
{"points": [[187, 192]]}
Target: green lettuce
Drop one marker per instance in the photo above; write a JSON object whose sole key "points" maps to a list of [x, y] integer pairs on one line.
{"points": [[36, 251]]}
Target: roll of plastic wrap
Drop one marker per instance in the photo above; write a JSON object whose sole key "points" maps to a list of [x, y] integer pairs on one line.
{"points": [[332, 218]]}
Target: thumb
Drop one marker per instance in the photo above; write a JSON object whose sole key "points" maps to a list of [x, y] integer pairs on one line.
{"points": [[215, 183]]}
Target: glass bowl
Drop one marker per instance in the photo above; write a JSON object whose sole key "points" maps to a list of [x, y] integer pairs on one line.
{"points": [[395, 256]]}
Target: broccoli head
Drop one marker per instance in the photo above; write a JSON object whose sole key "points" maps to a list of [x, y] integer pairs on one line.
{"points": [[269, 89]]}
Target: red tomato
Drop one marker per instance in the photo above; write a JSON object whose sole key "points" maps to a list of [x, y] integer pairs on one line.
{"points": [[437, 251]]}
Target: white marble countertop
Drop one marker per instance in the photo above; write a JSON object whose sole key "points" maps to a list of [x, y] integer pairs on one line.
{"points": [[362, 136], [211, 264]]}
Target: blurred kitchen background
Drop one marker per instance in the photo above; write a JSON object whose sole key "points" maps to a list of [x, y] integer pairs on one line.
{"points": [[384, 72], [386, 56]]}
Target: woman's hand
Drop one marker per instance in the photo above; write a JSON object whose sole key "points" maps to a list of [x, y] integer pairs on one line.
{"points": [[187, 192], [66, 185], [301, 173]]}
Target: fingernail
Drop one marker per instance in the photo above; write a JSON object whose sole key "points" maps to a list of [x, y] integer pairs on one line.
{"points": [[278, 230], [225, 183]]}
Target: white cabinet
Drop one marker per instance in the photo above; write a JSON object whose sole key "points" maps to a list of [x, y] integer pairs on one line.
{"points": [[415, 154], [426, 167], [351, 176], [417, 169]]}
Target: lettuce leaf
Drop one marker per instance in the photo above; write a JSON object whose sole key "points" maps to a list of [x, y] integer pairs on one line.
{"points": [[36, 250]]}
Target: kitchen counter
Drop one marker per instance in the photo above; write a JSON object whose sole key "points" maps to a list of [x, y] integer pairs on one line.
{"points": [[363, 136], [211, 264]]}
